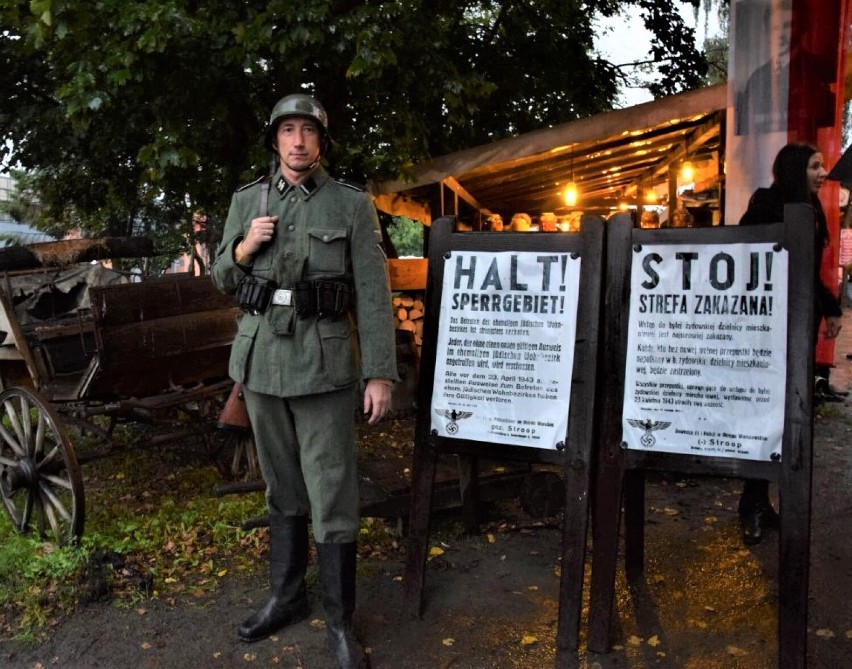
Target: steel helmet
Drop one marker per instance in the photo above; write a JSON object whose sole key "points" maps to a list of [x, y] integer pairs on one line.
{"points": [[297, 104]]}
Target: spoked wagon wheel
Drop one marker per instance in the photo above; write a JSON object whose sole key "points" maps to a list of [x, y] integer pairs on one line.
{"points": [[40, 480]]}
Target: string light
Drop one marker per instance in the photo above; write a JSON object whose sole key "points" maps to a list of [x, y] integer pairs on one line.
{"points": [[571, 194]]}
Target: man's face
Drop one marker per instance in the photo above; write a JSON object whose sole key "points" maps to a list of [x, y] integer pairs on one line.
{"points": [[298, 143]]}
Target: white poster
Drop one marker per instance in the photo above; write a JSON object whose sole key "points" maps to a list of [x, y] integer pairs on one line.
{"points": [[505, 352], [706, 350]]}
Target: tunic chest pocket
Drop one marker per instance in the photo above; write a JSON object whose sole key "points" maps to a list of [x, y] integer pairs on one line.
{"points": [[327, 251]]}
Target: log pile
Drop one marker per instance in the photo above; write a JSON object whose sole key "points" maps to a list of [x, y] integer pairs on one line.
{"points": [[408, 311]]}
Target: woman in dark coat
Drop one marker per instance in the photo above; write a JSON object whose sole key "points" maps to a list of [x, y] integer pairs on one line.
{"points": [[798, 172]]}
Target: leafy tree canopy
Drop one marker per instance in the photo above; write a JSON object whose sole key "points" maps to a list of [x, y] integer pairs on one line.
{"points": [[132, 114]]}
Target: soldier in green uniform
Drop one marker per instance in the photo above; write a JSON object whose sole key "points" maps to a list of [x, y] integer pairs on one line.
{"points": [[302, 253]]}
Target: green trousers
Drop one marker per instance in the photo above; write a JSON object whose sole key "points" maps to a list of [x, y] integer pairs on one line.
{"points": [[306, 451]]}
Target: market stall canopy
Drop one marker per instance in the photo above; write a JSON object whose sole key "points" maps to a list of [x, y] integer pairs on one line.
{"points": [[611, 156]]}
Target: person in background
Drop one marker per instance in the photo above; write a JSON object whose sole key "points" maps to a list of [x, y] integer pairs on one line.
{"points": [[520, 223], [681, 218], [797, 172], [649, 219], [304, 259], [495, 223], [547, 222]]}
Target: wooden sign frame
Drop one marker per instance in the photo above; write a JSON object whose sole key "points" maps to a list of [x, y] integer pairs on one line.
{"points": [[620, 472], [576, 456]]}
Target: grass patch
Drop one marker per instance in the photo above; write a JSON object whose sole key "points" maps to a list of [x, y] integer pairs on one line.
{"points": [[154, 528]]}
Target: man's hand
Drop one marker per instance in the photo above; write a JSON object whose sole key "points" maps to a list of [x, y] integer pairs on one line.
{"points": [[377, 400], [262, 230]]}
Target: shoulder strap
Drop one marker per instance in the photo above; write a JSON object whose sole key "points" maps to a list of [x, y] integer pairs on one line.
{"points": [[264, 196]]}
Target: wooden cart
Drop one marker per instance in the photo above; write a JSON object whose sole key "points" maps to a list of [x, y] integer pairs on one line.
{"points": [[83, 342]]}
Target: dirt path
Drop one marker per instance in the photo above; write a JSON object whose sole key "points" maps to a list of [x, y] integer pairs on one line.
{"points": [[491, 600]]}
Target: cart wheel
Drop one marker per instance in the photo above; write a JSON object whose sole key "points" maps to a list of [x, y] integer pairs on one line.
{"points": [[542, 494], [231, 448], [40, 480], [237, 459]]}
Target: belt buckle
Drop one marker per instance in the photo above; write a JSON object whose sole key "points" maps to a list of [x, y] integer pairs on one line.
{"points": [[282, 297]]}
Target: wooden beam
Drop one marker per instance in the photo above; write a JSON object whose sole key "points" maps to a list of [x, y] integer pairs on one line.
{"points": [[460, 191], [695, 140]]}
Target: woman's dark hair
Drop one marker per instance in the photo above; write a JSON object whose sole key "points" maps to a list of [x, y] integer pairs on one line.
{"points": [[790, 172]]}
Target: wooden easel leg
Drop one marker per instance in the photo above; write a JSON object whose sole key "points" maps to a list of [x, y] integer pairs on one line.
{"points": [[574, 531], [468, 466], [424, 464], [794, 563], [608, 486], [634, 522]]}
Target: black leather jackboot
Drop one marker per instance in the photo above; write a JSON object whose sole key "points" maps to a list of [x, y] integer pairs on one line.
{"points": [[337, 571], [756, 512], [288, 562]]}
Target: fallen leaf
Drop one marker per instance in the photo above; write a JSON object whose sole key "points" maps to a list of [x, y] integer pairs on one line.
{"points": [[448, 641], [250, 657], [532, 588], [145, 645], [736, 652], [221, 573], [528, 640], [435, 551], [825, 633], [141, 611], [397, 578], [711, 519], [491, 538], [634, 641], [670, 512], [654, 641], [318, 623], [849, 634]]}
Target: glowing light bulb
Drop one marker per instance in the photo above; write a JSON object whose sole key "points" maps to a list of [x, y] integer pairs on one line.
{"points": [[571, 194], [687, 171]]}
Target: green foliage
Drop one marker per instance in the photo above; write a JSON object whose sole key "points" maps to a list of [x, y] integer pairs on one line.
{"points": [[407, 236], [132, 129]]}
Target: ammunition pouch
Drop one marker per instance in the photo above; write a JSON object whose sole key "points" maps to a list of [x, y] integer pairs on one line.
{"points": [[323, 298], [255, 293]]}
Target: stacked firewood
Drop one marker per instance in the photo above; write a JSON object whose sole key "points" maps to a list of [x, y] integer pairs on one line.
{"points": [[408, 310]]}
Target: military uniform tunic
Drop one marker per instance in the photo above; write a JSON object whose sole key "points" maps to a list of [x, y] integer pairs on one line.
{"points": [[299, 373]]}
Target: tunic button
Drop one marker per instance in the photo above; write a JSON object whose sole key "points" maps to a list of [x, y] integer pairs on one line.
{"points": [[291, 227], [325, 238], [292, 198]]}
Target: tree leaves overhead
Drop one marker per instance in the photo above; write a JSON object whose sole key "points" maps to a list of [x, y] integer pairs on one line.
{"points": [[134, 113]]}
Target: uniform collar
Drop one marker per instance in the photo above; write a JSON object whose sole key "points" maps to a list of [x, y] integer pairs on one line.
{"points": [[306, 188]]}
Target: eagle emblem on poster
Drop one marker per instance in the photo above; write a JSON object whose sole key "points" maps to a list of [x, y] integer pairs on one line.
{"points": [[453, 417], [648, 439]]}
